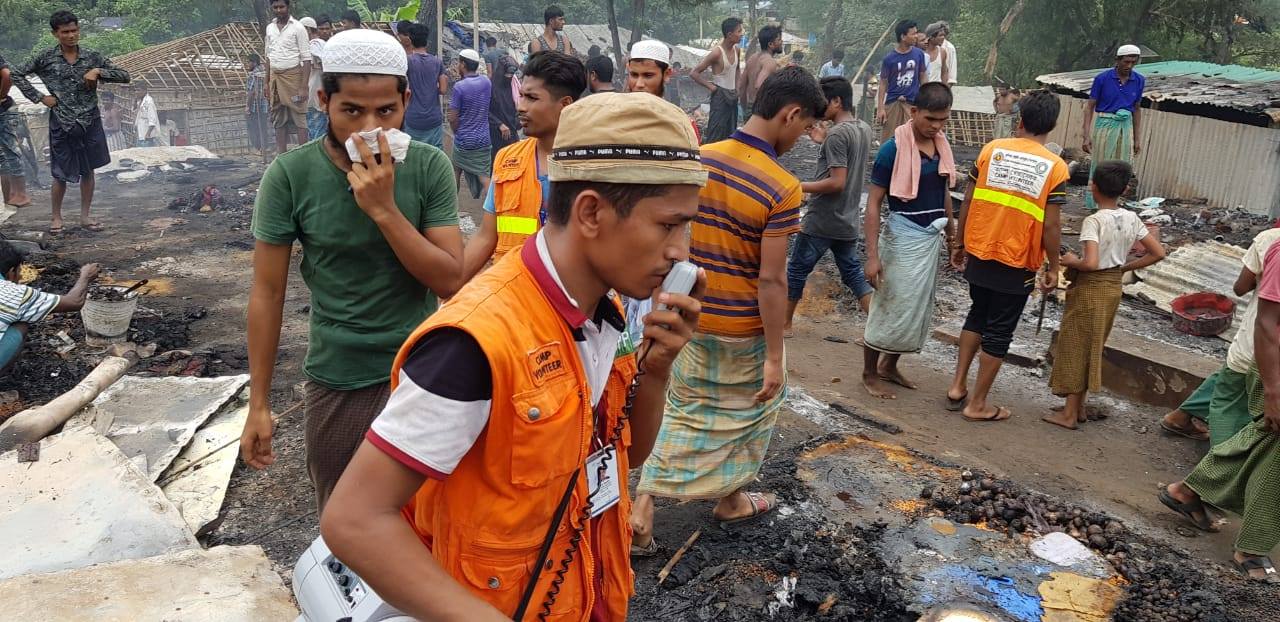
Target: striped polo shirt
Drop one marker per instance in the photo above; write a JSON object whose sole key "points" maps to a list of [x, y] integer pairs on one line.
{"points": [[748, 196]]}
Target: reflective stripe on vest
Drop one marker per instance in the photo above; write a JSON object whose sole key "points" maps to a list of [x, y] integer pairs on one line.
{"points": [[1009, 200], [517, 224]]}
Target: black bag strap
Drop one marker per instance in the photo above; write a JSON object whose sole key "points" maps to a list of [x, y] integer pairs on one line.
{"points": [[545, 552]]}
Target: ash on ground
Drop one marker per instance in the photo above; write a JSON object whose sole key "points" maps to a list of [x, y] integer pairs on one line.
{"points": [[786, 565]]}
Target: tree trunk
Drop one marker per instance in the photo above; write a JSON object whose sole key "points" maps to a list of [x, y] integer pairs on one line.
{"points": [[637, 23], [1005, 25], [829, 36], [427, 15], [613, 30], [261, 12], [751, 21]]}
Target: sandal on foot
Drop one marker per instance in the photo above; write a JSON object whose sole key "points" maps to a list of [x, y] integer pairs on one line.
{"points": [[1189, 431], [1001, 414], [760, 504], [1258, 563], [93, 227], [1189, 510], [954, 405], [645, 551], [56, 230]]}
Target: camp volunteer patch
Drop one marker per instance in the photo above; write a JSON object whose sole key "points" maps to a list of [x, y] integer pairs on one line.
{"points": [[547, 362], [1018, 171]]}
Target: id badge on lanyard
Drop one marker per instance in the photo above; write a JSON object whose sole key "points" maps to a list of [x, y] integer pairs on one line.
{"points": [[602, 470]]}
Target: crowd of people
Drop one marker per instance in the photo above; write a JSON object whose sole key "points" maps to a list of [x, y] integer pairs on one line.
{"points": [[474, 407]]}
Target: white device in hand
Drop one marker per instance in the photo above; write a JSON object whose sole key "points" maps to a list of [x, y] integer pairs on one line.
{"points": [[680, 280], [327, 590]]}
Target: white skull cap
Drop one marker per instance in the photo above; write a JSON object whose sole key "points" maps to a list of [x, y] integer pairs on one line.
{"points": [[1128, 50], [308, 22], [364, 51], [651, 49]]}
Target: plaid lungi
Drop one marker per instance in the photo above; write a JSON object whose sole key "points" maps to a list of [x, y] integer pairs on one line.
{"points": [[1112, 140], [336, 422], [1092, 301], [1242, 476], [714, 435]]}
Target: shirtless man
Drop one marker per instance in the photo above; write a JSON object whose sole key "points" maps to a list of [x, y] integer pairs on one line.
{"points": [[725, 63], [761, 65]]}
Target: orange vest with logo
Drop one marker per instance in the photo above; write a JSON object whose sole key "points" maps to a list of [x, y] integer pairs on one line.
{"points": [[517, 195], [1005, 221], [486, 522]]}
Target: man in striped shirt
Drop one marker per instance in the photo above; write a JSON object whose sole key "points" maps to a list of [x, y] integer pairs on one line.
{"points": [[21, 306], [728, 383]]}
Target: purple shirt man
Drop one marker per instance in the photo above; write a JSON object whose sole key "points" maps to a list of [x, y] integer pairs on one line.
{"points": [[471, 101]]}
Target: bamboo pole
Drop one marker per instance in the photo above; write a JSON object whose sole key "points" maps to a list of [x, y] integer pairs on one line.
{"points": [[875, 47], [36, 423], [475, 25]]}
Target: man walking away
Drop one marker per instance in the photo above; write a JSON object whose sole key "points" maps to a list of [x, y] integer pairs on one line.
{"points": [[380, 242], [12, 171], [600, 75], [147, 120], [551, 37], [22, 306], [729, 382], [831, 222], [423, 121], [761, 65], [833, 68], [319, 30], [515, 396], [515, 207], [469, 120], [289, 72], [257, 110], [503, 119], [1106, 237], [725, 63], [1222, 400], [916, 169], [77, 143], [1242, 474], [1115, 133], [1009, 224], [901, 74]]}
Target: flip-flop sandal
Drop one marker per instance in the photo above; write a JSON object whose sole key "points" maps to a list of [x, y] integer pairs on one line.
{"points": [[20, 206], [1001, 414], [1258, 563], [56, 230], [645, 551], [956, 406], [1190, 433], [760, 505], [94, 227], [1189, 510]]}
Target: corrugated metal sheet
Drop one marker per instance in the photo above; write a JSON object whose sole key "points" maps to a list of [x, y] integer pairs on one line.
{"points": [[1226, 86], [1189, 158], [582, 36], [1204, 267], [977, 99]]}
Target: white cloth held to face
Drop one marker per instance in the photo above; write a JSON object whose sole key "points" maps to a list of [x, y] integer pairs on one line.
{"points": [[397, 140]]}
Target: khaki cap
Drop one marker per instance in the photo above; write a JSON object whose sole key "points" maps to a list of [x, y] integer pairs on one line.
{"points": [[626, 138]]}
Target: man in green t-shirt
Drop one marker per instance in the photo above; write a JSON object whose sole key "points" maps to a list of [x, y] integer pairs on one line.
{"points": [[380, 241]]}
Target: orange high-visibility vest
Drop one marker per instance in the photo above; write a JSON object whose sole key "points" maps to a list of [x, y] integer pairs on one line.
{"points": [[517, 195], [1005, 222], [486, 521]]}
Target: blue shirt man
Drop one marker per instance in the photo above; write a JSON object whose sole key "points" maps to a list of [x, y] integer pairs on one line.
{"points": [[1111, 93], [1115, 132]]}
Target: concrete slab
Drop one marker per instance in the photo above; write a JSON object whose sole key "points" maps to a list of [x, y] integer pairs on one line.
{"points": [[1023, 352], [152, 419], [222, 584], [197, 480], [82, 503], [1152, 372]]}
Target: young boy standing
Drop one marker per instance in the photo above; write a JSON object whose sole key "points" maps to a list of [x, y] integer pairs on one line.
{"points": [[1095, 291], [831, 222], [915, 169]]}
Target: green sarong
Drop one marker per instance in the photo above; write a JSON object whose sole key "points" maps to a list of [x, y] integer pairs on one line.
{"points": [[1229, 406], [1112, 140], [1242, 476], [1197, 404]]}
